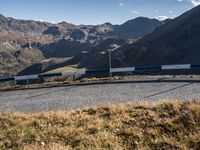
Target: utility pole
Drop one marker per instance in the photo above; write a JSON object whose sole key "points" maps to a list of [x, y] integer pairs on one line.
{"points": [[110, 61]]}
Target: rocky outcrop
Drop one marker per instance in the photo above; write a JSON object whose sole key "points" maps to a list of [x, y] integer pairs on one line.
{"points": [[77, 34], [54, 31]]}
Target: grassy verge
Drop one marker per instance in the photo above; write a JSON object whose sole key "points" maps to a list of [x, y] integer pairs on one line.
{"points": [[48, 84], [166, 125]]}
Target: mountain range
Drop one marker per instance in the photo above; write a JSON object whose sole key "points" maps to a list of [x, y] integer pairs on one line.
{"points": [[31, 47], [28, 43], [177, 41]]}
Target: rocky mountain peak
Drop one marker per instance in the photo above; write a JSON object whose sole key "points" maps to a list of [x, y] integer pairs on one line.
{"points": [[66, 25]]}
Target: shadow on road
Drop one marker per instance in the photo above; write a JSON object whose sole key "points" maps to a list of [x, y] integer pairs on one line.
{"points": [[47, 93], [175, 88]]}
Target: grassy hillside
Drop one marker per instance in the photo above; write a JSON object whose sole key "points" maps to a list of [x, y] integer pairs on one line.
{"points": [[20, 38], [171, 125], [14, 58]]}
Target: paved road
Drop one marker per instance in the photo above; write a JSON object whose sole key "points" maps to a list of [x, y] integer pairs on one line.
{"points": [[74, 97]]}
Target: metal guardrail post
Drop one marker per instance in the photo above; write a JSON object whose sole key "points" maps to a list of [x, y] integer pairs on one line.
{"points": [[74, 77], [27, 82], [110, 62]]}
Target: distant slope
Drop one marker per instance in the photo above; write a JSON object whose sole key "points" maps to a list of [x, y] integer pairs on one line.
{"points": [[22, 26], [44, 66], [137, 28], [64, 48], [97, 57], [14, 58]]}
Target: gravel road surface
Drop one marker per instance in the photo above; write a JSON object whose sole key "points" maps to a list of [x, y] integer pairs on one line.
{"points": [[75, 97]]}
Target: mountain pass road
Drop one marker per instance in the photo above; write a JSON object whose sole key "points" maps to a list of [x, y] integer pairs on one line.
{"points": [[83, 96]]}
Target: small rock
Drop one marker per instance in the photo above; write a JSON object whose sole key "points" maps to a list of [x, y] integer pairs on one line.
{"points": [[117, 130]]}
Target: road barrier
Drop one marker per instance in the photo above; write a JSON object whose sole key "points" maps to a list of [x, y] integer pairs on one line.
{"points": [[90, 72]]}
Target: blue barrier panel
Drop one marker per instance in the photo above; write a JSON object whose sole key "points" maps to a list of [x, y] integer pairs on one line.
{"points": [[97, 71], [7, 79], [195, 66], [148, 68], [49, 75]]}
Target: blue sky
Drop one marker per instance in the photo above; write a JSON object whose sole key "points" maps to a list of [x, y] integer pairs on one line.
{"points": [[93, 11]]}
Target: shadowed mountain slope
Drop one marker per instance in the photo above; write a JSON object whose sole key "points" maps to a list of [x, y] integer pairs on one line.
{"points": [[176, 42]]}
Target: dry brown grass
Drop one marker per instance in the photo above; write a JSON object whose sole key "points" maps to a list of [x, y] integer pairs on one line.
{"points": [[165, 125]]}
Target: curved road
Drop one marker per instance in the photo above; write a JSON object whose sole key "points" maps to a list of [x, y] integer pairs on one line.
{"points": [[80, 96]]}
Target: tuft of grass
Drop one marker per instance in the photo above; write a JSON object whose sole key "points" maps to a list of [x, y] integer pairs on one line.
{"points": [[164, 125]]}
